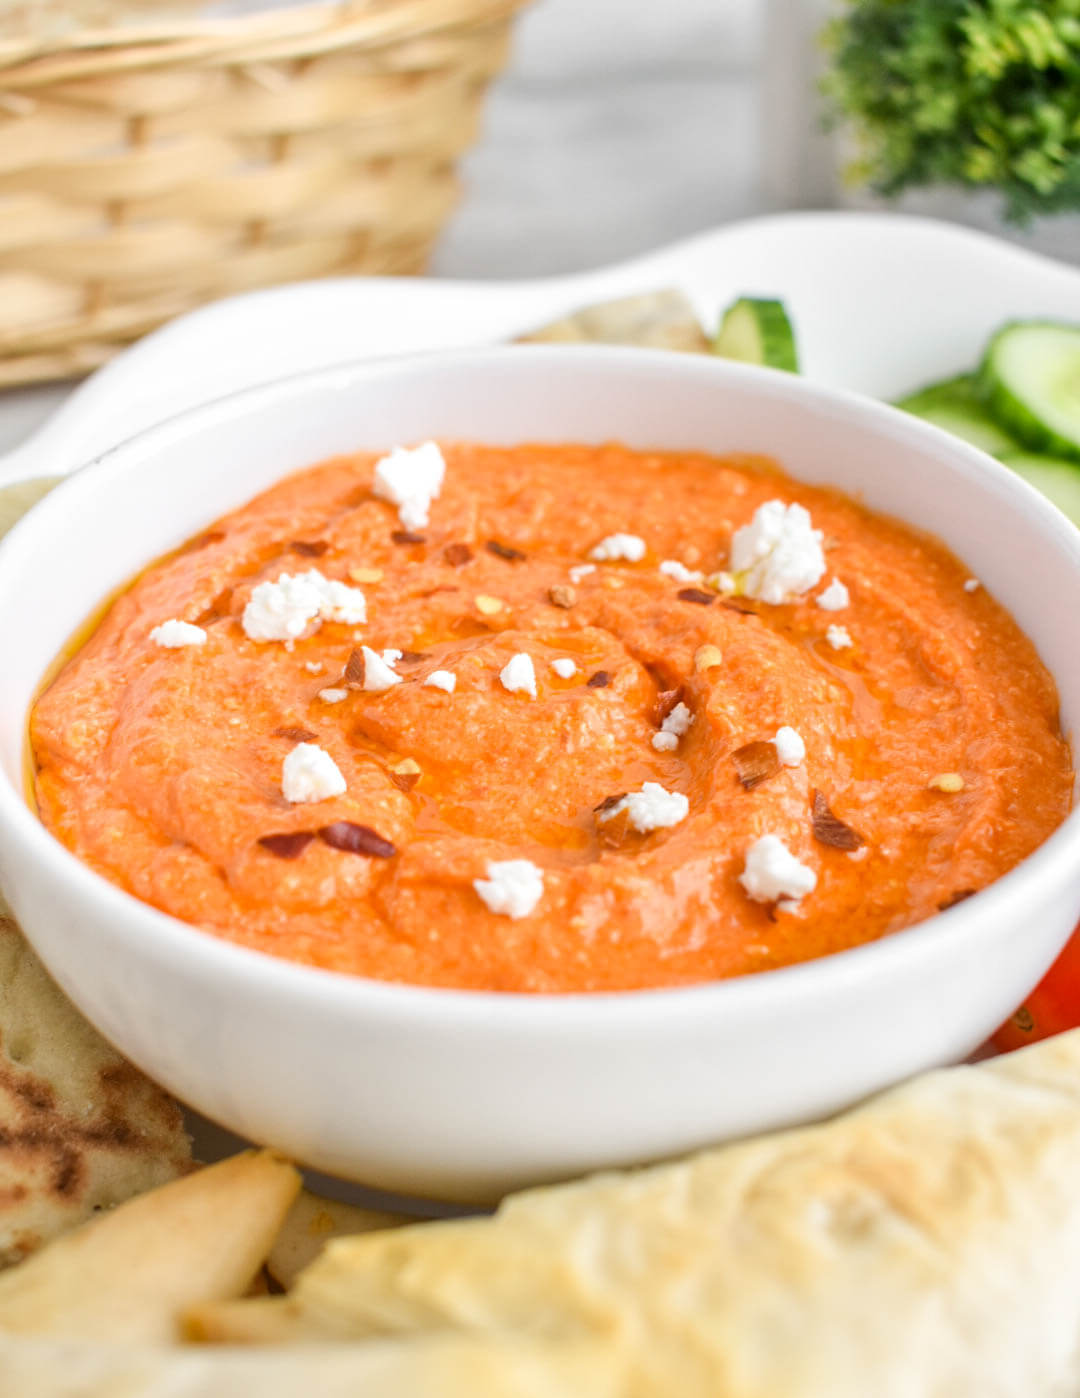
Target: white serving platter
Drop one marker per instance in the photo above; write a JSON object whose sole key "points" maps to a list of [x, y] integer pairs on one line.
{"points": [[882, 303]]}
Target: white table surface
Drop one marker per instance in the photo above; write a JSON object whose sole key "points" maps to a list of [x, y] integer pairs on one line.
{"points": [[619, 125]]}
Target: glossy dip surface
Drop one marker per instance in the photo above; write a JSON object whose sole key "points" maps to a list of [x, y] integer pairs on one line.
{"points": [[933, 757]]}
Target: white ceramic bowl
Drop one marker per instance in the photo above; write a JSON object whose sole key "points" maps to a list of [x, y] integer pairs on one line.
{"points": [[464, 1095]]}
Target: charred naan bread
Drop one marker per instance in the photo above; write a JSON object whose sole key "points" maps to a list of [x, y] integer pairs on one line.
{"points": [[80, 1128], [656, 320], [926, 1245]]}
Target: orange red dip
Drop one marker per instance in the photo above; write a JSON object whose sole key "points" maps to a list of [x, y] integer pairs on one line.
{"points": [[162, 768]]}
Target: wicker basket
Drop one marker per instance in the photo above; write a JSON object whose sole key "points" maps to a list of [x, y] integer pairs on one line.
{"points": [[147, 166]]}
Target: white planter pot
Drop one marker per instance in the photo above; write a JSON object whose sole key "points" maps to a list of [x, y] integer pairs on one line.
{"points": [[802, 164]]}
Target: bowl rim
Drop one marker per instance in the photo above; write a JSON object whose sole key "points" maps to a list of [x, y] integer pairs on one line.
{"points": [[965, 925]]}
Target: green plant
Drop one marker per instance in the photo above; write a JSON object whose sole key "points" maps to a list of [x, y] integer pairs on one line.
{"points": [[982, 93]]}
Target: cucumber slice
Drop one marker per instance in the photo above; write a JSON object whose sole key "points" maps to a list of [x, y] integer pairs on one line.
{"points": [[1029, 380], [757, 331], [1058, 480], [954, 405]]}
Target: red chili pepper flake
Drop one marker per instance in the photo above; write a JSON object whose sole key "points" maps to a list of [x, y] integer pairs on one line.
{"points": [[953, 898], [511, 555], [406, 536], [609, 801], [695, 594], [309, 548], [404, 781], [297, 735], [413, 657], [755, 762], [457, 555], [434, 591], [600, 680], [355, 667], [739, 604], [350, 838], [830, 830], [560, 596], [666, 701], [289, 845]]}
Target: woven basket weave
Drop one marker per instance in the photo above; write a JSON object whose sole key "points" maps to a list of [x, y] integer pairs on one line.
{"points": [[146, 167]]}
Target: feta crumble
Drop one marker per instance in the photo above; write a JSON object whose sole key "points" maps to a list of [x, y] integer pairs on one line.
{"points": [[513, 887], [581, 570], [518, 675], [411, 480], [972, 585], [839, 637], [651, 808], [378, 676], [790, 748], [835, 597], [314, 667], [619, 546], [333, 696], [340, 602], [672, 568], [442, 679], [564, 668], [674, 727], [309, 773], [778, 555], [174, 635], [283, 610], [391, 657], [772, 872]]}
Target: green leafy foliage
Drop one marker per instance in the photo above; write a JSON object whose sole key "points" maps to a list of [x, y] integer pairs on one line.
{"points": [[982, 93]]}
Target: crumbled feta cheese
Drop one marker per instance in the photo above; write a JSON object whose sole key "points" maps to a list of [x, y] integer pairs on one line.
{"points": [[442, 679], [378, 676], [314, 667], [518, 675], [513, 887], [282, 610], [285, 609], [672, 568], [790, 748], [678, 721], [778, 555], [309, 773], [173, 634], [835, 597], [839, 637], [672, 729], [972, 585], [772, 872], [581, 570], [411, 480], [333, 696], [651, 808], [340, 602], [617, 546], [564, 668], [391, 657]]}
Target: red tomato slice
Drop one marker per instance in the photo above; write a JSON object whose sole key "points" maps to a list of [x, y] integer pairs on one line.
{"points": [[1052, 1007]]}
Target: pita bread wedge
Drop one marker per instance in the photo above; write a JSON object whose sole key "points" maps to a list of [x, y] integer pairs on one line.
{"points": [[925, 1245], [80, 1128], [451, 1366], [129, 1275], [657, 320], [312, 1222]]}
